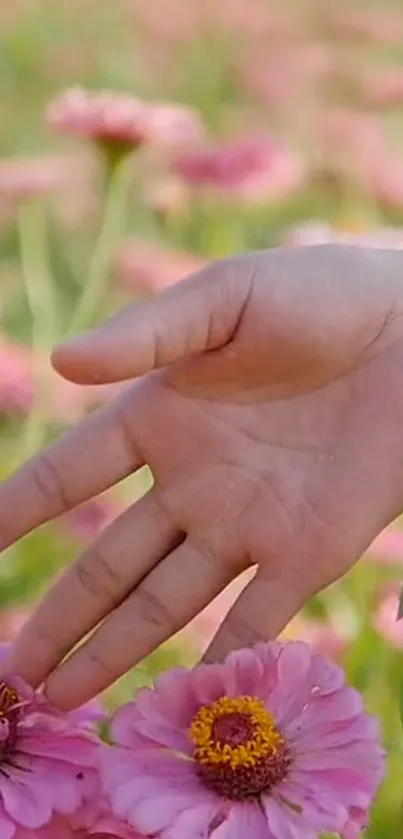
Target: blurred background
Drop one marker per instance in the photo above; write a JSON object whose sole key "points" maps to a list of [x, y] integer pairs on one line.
{"points": [[140, 140]]}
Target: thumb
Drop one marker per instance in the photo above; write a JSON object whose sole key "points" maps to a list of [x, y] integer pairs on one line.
{"points": [[198, 314]]}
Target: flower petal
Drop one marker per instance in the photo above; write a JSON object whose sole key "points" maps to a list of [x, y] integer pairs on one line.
{"points": [[26, 804], [194, 823], [244, 820]]}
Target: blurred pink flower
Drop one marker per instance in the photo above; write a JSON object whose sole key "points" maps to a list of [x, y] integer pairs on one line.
{"points": [[320, 636], [385, 621], [170, 125], [16, 378], [271, 743], [387, 181], [121, 120], [386, 88], [252, 170], [388, 546], [27, 177], [285, 74], [350, 142], [146, 268], [103, 116], [48, 762], [384, 25]]}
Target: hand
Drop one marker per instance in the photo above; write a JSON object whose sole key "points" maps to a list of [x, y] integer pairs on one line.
{"points": [[270, 410]]}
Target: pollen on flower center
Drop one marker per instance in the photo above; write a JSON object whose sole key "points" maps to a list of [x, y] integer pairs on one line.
{"points": [[238, 750]]}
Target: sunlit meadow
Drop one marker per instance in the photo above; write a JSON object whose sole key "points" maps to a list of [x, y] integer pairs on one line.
{"points": [[234, 124]]}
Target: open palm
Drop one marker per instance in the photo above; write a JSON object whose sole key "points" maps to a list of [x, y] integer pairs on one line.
{"points": [[269, 409]]}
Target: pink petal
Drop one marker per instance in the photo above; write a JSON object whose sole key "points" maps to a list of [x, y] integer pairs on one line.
{"points": [[194, 823], [26, 805], [208, 683], [345, 704], [7, 827], [89, 714], [246, 674], [283, 823], [123, 727], [293, 667], [244, 820], [80, 749], [318, 810], [154, 815]]}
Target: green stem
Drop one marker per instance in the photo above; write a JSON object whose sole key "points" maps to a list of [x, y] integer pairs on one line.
{"points": [[42, 303], [96, 282]]}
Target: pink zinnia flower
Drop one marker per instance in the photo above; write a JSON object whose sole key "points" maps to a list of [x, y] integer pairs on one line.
{"points": [[270, 744], [122, 120], [103, 116], [48, 760], [252, 169], [16, 378], [27, 177]]}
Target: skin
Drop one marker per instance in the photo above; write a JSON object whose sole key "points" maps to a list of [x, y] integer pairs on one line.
{"points": [[267, 398]]}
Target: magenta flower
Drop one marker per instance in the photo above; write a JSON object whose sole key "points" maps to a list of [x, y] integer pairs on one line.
{"points": [[270, 744], [48, 761]]}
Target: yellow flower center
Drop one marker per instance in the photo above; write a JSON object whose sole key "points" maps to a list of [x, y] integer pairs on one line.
{"points": [[238, 750]]}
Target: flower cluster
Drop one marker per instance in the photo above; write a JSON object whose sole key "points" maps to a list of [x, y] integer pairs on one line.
{"points": [[269, 744]]}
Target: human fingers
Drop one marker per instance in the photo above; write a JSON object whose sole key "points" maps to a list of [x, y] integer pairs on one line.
{"points": [[260, 613], [196, 315], [95, 454], [167, 599], [93, 586]]}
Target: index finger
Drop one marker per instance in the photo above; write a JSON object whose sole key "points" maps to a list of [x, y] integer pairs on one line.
{"points": [[86, 460]]}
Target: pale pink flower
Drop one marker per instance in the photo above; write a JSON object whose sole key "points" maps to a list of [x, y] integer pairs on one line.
{"points": [[119, 119], [384, 25], [321, 637], [387, 181], [29, 177], [385, 620], [103, 116], [170, 125], [254, 170], [16, 378], [269, 744], [147, 268], [350, 143], [48, 762], [388, 546], [386, 88]]}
